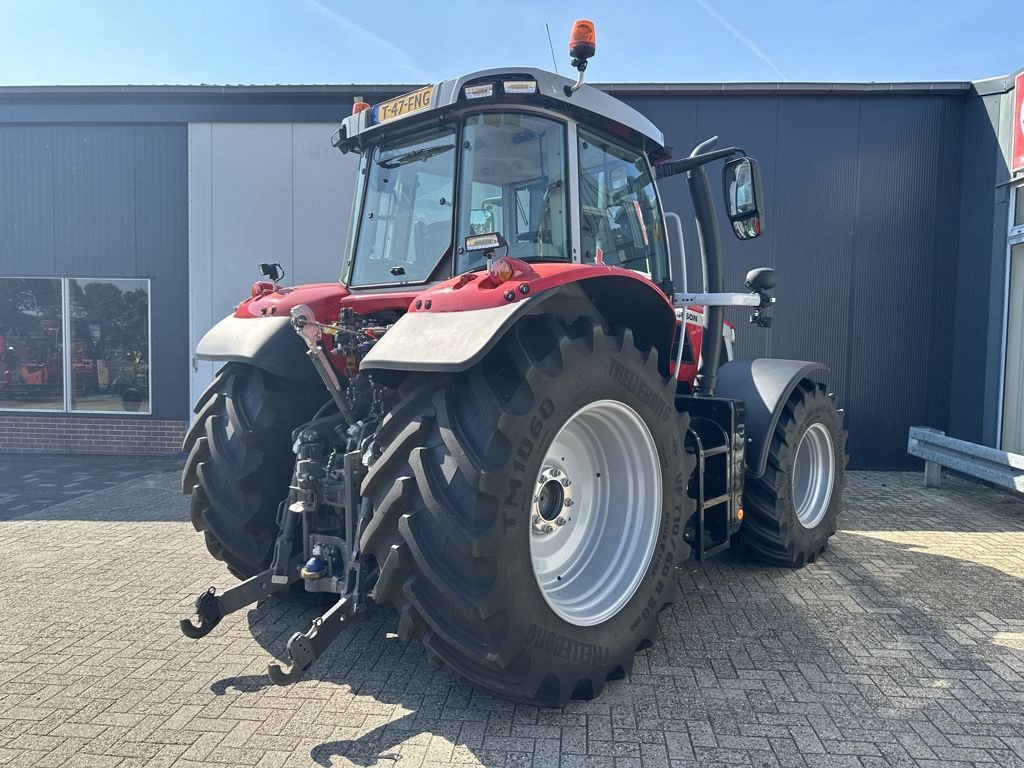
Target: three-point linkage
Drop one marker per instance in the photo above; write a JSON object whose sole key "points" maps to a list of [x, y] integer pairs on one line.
{"points": [[325, 482]]}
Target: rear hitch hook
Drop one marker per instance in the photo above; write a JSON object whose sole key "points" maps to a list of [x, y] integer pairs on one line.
{"points": [[211, 607], [301, 653], [208, 612], [306, 647]]}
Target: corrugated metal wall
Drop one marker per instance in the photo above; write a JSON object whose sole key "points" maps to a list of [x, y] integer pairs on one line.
{"points": [[881, 225], [105, 201], [974, 393], [863, 198]]}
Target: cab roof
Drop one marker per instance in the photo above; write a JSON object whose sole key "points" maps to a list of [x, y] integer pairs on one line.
{"points": [[588, 105]]}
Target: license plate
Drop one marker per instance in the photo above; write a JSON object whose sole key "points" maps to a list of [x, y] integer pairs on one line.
{"points": [[403, 105]]}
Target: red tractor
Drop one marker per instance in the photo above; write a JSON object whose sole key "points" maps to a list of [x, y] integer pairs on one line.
{"points": [[504, 420]]}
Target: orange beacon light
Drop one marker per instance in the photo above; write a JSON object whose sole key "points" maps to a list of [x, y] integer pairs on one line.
{"points": [[582, 43]]}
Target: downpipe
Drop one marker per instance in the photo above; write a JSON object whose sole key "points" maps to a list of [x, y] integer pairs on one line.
{"points": [[713, 272]]}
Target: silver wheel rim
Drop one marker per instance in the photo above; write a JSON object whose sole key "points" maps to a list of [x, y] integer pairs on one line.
{"points": [[813, 474], [596, 512]]}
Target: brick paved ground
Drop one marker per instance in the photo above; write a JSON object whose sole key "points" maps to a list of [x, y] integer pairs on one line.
{"points": [[903, 646]]}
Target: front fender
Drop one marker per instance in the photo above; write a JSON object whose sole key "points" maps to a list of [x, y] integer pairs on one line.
{"points": [[764, 385], [264, 342]]}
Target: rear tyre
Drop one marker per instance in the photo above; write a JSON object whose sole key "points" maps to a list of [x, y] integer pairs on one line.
{"points": [[534, 588], [240, 462], [792, 510]]}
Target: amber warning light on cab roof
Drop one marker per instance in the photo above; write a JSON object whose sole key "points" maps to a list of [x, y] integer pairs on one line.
{"points": [[358, 105], [582, 46], [582, 43]]}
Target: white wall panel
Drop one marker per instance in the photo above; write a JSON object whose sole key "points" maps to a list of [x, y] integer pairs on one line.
{"points": [[261, 192], [200, 250], [252, 206], [322, 206]]}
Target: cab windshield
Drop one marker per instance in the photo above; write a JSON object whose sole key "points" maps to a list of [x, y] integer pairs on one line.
{"points": [[404, 218], [512, 180]]}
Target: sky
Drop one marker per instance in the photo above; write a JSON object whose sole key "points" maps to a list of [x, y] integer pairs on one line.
{"points": [[114, 42]]}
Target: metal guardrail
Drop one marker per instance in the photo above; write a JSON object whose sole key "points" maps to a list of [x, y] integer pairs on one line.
{"points": [[990, 464]]}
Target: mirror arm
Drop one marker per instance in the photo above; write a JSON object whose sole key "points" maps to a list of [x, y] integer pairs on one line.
{"points": [[671, 168]]}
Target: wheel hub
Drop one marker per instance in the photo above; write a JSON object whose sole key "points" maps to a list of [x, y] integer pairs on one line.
{"points": [[596, 513], [552, 500], [813, 475]]}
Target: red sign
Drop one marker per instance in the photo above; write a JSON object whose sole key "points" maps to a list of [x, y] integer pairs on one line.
{"points": [[1017, 163]]}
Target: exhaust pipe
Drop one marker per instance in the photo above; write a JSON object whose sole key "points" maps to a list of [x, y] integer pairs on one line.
{"points": [[713, 272]]}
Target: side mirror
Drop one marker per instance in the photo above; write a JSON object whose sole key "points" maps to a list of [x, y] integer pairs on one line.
{"points": [[761, 279], [744, 197]]}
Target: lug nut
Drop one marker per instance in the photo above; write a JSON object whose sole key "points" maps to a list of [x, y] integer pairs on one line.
{"points": [[555, 473], [547, 528], [566, 483], [559, 521], [536, 520], [568, 502]]}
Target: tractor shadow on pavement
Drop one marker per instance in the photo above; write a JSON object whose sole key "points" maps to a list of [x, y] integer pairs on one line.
{"points": [[376, 676], [904, 641]]}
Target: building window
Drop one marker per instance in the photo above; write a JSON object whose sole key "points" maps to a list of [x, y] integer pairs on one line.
{"points": [[75, 344], [32, 340], [109, 326], [1017, 219]]}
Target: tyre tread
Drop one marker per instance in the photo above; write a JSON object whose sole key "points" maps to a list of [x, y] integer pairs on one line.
{"points": [[239, 461], [767, 534]]}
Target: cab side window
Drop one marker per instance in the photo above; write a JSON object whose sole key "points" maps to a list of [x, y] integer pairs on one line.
{"points": [[620, 223]]}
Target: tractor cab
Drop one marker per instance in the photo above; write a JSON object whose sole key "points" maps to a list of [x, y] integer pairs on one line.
{"points": [[560, 175]]}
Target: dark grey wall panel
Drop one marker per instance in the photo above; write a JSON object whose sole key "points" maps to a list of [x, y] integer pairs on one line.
{"points": [[968, 416], [945, 316], [105, 201], [94, 200], [812, 220], [161, 186], [26, 200], [857, 186], [896, 252], [161, 252]]}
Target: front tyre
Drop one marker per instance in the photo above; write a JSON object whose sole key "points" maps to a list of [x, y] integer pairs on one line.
{"points": [[528, 514], [792, 510]]}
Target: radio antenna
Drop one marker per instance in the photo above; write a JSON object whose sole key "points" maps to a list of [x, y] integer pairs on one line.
{"points": [[552, 47]]}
